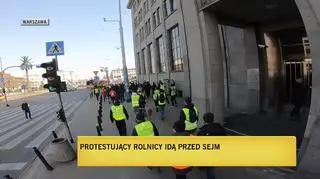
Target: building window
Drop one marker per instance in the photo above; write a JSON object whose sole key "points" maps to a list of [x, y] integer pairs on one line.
{"points": [[145, 7], [176, 50], [143, 65], [142, 33], [148, 27], [157, 18], [161, 55], [170, 6], [153, 65], [139, 16], [146, 61], [139, 65]]}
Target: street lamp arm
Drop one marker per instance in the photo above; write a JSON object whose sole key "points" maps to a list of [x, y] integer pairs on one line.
{"points": [[9, 68], [110, 20]]}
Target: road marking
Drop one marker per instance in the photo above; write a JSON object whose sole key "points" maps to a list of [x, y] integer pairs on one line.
{"points": [[240, 133], [9, 121], [12, 166], [9, 111], [45, 134], [29, 133], [19, 122], [19, 113], [21, 128]]}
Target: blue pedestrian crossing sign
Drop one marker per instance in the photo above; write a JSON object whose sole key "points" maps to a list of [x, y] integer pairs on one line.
{"points": [[55, 48]]}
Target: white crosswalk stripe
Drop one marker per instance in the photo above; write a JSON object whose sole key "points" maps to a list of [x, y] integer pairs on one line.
{"points": [[19, 133], [21, 117], [15, 129], [30, 132], [45, 134]]}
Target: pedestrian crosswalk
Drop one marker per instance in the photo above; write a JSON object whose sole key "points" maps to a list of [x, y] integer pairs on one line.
{"points": [[15, 129]]}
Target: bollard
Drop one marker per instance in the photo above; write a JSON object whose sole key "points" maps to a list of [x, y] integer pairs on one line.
{"points": [[43, 160], [54, 134], [98, 130], [8, 177], [100, 126], [99, 119]]}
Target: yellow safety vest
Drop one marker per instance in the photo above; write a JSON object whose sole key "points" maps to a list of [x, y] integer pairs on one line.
{"points": [[190, 125], [144, 129], [164, 101], [96, 90], [118, 113], [173, 90], [155, 94], [135, 100]]}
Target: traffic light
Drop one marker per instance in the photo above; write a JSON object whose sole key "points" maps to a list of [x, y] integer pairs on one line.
{"points": [[54, 81], [61, 116]]}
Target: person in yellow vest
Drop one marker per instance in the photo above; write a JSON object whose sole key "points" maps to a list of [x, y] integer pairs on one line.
{"points": [[173, 94], [162, 103], [190, 115], [145, 128], [119, 114], [135, 99], [179, 130], [161, 85], [155, 98]]}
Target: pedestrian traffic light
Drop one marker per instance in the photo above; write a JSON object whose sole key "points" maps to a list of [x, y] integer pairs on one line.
{"points": [[54, 81]]}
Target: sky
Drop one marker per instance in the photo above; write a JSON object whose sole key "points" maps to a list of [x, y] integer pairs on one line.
{"points": [[89, 42]]}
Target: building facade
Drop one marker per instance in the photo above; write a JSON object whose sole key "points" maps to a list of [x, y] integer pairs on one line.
{"points": [[12, 83], [116, 75], [35, 82], [236, 58], [159, 42]]}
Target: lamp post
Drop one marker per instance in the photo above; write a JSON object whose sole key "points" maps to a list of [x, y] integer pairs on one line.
{"points": [[123, 53]]}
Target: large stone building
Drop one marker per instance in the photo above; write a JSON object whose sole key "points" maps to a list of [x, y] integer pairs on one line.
{"points": [[234, 57]]}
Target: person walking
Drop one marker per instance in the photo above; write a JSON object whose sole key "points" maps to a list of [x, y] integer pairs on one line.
{"points": [[210, 128], [119, 114], [173, 94], [162, 103], [179, 130], [145, 127], [190, 115], [156, 93], [104, 94], [135, 100], [26, 108], [97, 92]]}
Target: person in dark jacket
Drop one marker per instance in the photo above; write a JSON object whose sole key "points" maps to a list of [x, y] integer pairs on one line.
{"points": [[119, 114], [210, 128], [190, 115], [26, 109], [179, 130]]}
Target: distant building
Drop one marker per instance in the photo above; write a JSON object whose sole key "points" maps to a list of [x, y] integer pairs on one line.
{"points": [[117, 76], [12, 83], [35, 82]]}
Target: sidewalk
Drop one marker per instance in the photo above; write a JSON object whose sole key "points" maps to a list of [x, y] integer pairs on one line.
{"points": [[84, 122]]}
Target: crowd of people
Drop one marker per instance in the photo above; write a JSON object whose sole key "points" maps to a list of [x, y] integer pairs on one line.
{"points": [[138, 94]]}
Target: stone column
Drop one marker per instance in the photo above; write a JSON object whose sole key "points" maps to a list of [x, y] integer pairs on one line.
{"points": [[309, 154], [214, 64]]}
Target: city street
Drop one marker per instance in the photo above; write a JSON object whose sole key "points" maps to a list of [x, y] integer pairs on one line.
{"points": [[84, 123], [18, 135]]}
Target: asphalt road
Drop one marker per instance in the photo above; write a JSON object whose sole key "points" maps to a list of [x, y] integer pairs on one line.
{"points": [[18, 135]]}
